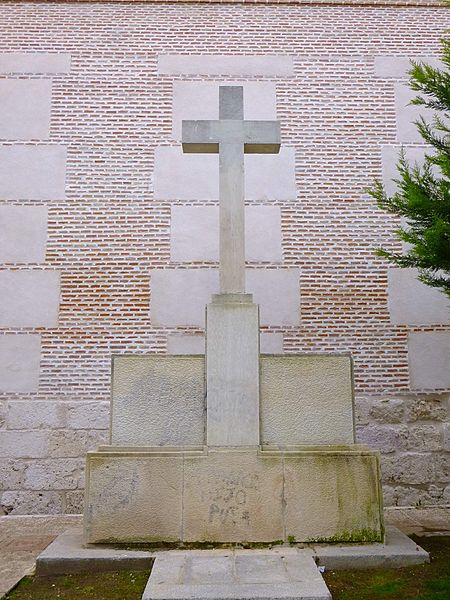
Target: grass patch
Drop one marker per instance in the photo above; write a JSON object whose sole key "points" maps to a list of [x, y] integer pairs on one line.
{"points": [[422, 582], [121, 585]]}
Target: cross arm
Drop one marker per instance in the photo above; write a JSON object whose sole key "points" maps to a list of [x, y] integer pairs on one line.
{"points": [[262, 137], [201, 136]]}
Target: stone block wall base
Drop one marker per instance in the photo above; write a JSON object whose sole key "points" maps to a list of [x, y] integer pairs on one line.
{"points": [[233, 495]]}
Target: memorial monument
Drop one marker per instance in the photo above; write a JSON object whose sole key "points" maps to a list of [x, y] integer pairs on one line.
{"points": [[233, 446]]}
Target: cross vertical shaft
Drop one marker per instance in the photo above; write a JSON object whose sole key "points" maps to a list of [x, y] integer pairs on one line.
{"points": [[231, 197]]}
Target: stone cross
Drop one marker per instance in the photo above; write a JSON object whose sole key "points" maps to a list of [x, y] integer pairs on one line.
{"points": [[231, 137]]}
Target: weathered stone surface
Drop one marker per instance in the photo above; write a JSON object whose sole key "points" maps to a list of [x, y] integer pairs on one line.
{"points": [[429, 359], [199, 100], [34, 62], [23, 233], [144, 499], [35, 415], [342, 487], [88, 415], [20, 357], [233, 495], [232, 371], [165, 393], [74, 502], [267, 177], [270, 343], [387, 410], [411, 468], [385, 438], [419, 438], [267, 66], [306, 399], [25, 109], [407, 114], [23, 444], [195, 233], [29, 298], [12, 473], [31, 503], [3, 412], [236, 574], [431, 407], [32, 172], [411, 302], [54, 474], [72, 444], [275, 290]]}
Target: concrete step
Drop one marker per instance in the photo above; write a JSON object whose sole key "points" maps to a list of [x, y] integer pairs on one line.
{"points": [[282, 574]]}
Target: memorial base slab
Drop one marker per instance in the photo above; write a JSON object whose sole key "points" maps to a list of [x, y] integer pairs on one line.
{"points": [[233, 495]]}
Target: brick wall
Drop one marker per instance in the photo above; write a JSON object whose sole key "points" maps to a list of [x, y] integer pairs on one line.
{"points": [[104, 106]]}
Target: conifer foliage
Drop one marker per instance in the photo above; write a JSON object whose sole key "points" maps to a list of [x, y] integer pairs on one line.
{"points": [[423, 192]]}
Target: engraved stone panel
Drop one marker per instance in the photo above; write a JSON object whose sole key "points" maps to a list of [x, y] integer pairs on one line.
{"points": [[267, 176], [34, 62], [429, 360], [20, 357], [407, 114], [179, 296], [195, 233], [268, 66], [200, 100], [29, 298], [23, 233], [25, 108], [32, 172], [411, 302]]}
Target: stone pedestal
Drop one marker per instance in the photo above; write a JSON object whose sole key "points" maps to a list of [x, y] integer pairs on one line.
{"points": [[300, 494], [232, 371]]}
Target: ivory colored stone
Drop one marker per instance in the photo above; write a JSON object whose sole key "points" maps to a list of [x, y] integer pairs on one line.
{"points": [[23, 233], [233, 496], [330, 496], [132, 498], [25, 109], [29, 298], [411, 302], [194, 233], [20, 357], [199, 100], [307, 399], [32, 172], [267, 177], [429, 359], [264, 65], [34, 62], [397, 67], [390, 158], [31, 414], [275, 290], [227, 495], [232, 371], [158, 401], [407, 114]]}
